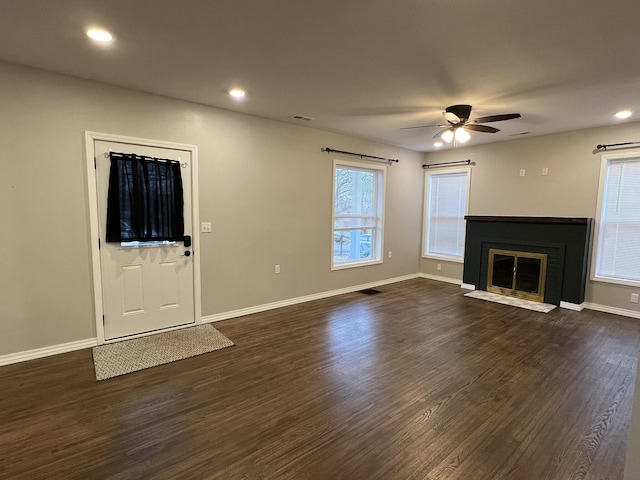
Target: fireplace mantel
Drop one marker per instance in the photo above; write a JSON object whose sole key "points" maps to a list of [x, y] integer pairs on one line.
{"points": [[565, 239], [567, 220]]}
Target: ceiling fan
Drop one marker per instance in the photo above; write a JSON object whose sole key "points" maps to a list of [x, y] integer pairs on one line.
{"points": [[457, 117]]}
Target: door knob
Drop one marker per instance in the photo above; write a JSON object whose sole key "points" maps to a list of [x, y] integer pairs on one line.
{"points": [[186, 254]]}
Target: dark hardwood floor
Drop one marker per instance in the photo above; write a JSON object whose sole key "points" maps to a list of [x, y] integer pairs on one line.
{"points": [[416, 382]]}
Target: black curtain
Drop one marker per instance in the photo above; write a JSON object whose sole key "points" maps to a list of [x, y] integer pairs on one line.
{"points": [[145, 199]]}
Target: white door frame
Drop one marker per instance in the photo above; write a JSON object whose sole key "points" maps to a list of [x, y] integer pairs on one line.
{"points": [[89, 139]]}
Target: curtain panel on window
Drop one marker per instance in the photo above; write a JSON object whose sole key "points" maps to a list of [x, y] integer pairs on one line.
{"points": [[145, 200]]}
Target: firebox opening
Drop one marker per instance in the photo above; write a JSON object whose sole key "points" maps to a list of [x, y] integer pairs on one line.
{"points": [[517, 274]]}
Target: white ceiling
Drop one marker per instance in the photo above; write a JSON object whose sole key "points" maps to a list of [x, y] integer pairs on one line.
{"points": [[362, 67]]}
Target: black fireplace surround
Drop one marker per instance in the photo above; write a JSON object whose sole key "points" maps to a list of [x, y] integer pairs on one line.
{"points": [[564, 240]]}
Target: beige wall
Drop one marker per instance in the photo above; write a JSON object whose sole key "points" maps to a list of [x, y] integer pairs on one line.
{"points": [[569, 190], [265, 186]]}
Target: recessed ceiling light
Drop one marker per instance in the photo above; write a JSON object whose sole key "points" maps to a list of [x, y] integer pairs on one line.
{"points": [[438, 144], [237, 93], [99, 35], [624, 114]]}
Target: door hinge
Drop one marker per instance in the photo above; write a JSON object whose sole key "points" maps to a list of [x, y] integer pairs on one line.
{"points": [[99, 246], [103, 320], [95, 163]]}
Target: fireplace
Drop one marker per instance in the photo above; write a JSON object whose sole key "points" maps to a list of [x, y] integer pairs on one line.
{"points": [[562, 242], [517, 274]]}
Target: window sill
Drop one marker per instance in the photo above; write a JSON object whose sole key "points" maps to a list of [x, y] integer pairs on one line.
{"points": [[444, 258], [615, 281], [355, 264]]}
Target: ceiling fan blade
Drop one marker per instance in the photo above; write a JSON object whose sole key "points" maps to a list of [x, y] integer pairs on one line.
{"points": [[423, 126], [463, 112], [497, 118], [452, 118], [481, 128]]}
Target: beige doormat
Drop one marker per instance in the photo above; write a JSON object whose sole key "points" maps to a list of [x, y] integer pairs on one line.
{"points": [[128, 356], [514, 302]]}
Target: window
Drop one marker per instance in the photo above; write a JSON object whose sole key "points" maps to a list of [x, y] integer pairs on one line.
{"points": [[446, 200], [358, 200], [618, 220]]}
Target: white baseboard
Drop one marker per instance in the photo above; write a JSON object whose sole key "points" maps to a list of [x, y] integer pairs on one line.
{"points": [[307, 298], [440, 278], [576, 307], [47, 351], [92, 342], [616, 311]]}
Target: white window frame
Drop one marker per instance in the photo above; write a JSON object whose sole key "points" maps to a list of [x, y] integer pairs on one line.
{"points": [[604, 164], [426, 209], [380, 172]]}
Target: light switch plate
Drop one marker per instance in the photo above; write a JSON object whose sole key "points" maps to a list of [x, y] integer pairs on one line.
{"points": [[205, 227]]}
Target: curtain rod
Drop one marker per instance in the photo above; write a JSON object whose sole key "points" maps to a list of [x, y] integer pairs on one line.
{"points": [[361, 155], [463, 162], [144, 157], [604, 147]]}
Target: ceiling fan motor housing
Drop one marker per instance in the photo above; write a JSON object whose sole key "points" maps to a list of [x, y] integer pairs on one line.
{"points": [[463, 112]]}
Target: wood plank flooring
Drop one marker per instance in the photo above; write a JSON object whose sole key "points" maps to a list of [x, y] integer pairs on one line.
{"points": [[416, 382]]}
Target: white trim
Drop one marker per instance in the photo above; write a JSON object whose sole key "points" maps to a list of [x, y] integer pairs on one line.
{"points": [[89, 146], [440, 278], [378, 229], [616, 311], [307, 298], [425, 210], [616, 281], [92, 342], [356, 264], [604, 165], [47, 351], [444, 258], [577, 307]]}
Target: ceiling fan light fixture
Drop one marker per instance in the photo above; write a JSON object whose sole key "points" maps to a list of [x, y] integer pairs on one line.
{"points": [[462, 135], [447, 136]]}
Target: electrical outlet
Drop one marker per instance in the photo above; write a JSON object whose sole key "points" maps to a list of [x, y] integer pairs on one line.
{"points": [[439, 266], [634, 298], [277, 268], [545, 171], [389, 253], [522, 172]]}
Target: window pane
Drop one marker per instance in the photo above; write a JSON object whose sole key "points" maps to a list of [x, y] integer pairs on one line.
{"points": [[619, 235], [447, 203], [354, 192], [353, 245], [357, 214]]}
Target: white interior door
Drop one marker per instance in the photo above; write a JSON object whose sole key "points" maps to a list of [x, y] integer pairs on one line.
{"points": [[144, 287]]}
